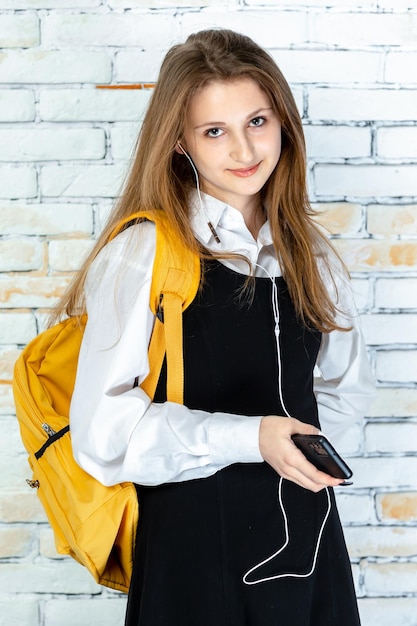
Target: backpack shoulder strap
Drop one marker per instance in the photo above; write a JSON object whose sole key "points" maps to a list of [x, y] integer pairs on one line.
{"points": [[175, 282]]}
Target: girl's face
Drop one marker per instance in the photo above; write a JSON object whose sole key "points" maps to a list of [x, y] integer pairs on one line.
{"points": [[234, 139]]}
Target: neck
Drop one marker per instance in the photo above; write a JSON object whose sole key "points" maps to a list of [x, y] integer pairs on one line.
{"points": [[254, 220]]}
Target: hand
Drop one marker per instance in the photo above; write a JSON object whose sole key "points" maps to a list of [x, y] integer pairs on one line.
{"points": [[278, 449]]}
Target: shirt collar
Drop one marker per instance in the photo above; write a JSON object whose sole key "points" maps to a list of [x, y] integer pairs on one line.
{"points": [[210, 211], [216, 212]]}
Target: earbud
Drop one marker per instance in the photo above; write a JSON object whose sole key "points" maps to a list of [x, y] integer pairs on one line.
{"points": [[182, 150]]}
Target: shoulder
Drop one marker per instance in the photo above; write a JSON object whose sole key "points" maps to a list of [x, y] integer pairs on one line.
{"points": [[330, 265], [138, 237], [336, 280], [133, 250], [131, 244]]}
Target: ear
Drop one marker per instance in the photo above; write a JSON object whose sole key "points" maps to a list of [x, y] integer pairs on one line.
{"points": [[180, 148]]}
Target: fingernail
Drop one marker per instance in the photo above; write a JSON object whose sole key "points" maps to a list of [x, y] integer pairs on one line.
{"points": [[345, 483]]}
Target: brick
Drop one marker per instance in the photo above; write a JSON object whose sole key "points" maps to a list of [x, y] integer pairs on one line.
{"points": [[6, 400], [391, 438], [21, 506], [337, 142], [311, 3], [25, 612], [339, 217], [14, 471], [364, 29], [17, 105], [123, 140], [401, 5], [379, 181], [389, 220], [390, 579], [32, 144], [32, 291], [377, 541], [158, 4], [396, 366], [388, 611], [55, 577], [15, 542], [62, 105], [372, 255], [17, 254], [356, 575], [17, 327], [106, 612], [397, 142], [42, 317], [104, 209], [82, 180], [67, 256], [8, 357], [394, 402], [401, 67], [389, 328], [47, 547], [299, 100], [10, 440], [17, 182], [361, 104], [49, 4], [284, 28], [399, 293], [138, 66], [328, 66], [111, 29], [396, 472], [20, 30], [46, 219], [354, 508], [55, 66], [397, 507]]}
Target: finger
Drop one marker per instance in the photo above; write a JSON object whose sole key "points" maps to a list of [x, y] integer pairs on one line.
{"points": [[297, 427], [301, 470], [314, 484]]}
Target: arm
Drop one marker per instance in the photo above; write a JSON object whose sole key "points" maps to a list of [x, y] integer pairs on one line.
{"points": [[118, 434], [344, 385]]}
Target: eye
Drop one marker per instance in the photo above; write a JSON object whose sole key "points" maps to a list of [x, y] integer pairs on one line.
{"points": [[214, 132], [257, 121]]}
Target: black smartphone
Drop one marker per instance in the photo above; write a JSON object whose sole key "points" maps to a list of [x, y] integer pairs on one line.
{"points": [[319, 451]]}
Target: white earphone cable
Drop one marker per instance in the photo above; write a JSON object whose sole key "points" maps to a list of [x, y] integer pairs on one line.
{"points": [[275, 308], [200, 199]]}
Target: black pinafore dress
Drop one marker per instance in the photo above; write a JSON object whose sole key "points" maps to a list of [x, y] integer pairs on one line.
{"points": [[197, 539]]}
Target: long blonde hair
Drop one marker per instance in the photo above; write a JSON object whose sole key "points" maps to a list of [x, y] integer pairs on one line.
{"points": [[161, 179]]}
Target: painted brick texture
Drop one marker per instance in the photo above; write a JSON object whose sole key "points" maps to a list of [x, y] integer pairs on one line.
{"points": [[64, 148]]}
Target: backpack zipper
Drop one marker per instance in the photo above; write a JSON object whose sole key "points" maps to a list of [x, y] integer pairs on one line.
{"points": [[49, 431]]}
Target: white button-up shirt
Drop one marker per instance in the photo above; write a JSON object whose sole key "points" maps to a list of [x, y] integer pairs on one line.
{"points": [[119, 434]]}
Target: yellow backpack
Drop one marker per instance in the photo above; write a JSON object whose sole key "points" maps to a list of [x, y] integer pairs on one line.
{"points": [[94, 524]]}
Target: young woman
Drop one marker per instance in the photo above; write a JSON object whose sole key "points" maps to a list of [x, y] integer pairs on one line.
{"points": [[236, 527]]}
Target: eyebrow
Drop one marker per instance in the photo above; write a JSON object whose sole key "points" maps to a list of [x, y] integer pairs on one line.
{"points": [[249, 117]]}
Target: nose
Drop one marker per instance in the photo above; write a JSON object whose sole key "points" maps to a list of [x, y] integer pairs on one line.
{"points": [[242, 149]]}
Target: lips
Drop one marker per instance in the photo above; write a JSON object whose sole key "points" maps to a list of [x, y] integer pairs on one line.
{"points": [[248, 171]]}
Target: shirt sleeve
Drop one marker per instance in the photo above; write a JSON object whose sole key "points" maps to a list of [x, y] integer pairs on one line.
{"points": [[344, 385], [118, 433]]}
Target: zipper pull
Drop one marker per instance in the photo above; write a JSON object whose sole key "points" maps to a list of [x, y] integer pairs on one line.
{"points": [[49, 431], [34, 484]]}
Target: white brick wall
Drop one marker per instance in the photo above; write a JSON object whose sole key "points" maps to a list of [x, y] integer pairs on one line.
{"points": [[64, 146]]}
